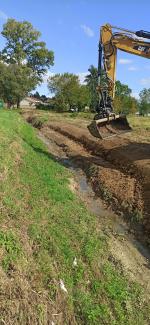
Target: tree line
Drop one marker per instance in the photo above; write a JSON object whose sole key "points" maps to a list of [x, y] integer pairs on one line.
{"points": [[70, 94], [25, 60]]}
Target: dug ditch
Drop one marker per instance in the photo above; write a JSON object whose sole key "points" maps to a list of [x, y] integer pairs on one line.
{"points": [[125, 238], [124, 241], [125, 249], [117, 169]]}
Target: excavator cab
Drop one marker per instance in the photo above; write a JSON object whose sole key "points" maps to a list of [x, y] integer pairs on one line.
{"points": [[106, 122]]}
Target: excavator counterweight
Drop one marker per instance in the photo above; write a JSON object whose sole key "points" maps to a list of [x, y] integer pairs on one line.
{"points": [[106, 122]]}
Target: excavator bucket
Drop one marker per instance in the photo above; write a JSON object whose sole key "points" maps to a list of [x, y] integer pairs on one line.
{"points": [[108, 127]]}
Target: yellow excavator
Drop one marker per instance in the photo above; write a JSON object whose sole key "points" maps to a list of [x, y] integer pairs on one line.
{"points": [[106, 123]]}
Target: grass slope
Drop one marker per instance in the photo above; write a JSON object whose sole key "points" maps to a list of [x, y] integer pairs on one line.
{"points": [[43, 229]]}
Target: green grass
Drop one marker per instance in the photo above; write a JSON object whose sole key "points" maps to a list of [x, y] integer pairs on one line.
{"points": [[44, 226], [140, 128], [140, 125], [12, 250], [139, 122], [65, 115]]}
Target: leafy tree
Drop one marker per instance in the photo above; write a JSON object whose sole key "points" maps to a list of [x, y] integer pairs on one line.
{"points": [[60, 104], [122, 90], [15, 83], [117, 104], [92, 82], [125, 105], [144, 106], [83, 97], [68, 91], [123, 102], [134, 105], [36, 95], [23, 49], [43, 98]]}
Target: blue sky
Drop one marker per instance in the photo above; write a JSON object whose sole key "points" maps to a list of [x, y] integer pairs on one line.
{"points": [[71, 29]]}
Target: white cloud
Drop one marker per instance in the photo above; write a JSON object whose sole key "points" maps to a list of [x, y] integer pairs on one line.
{"points": [[87, 30], [125, 61], [47, 75], [135, 94], [3, 15], [145, 82], [82, 76], [132, 68]]}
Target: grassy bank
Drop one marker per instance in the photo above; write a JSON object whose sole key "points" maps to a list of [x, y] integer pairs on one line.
{"points": [[48, 238]]}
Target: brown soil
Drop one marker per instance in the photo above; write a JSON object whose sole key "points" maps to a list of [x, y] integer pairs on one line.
{"points": [[118, 168], [116, 171]]}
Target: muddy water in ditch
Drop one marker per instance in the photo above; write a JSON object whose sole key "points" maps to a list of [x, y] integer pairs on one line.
{"points": [[82, 187], [111, 223]]}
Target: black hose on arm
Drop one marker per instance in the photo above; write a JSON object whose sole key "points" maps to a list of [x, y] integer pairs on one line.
{"points": [[142, 33], [99, 62]]}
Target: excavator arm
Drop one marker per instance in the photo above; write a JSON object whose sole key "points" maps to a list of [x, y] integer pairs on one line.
{"points": [[124, 40], [113, 39]]}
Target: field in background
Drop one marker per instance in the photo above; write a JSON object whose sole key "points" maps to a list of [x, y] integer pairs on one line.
{"points": [[141, 128], [139, 124], [44, 227], [136, 121]]}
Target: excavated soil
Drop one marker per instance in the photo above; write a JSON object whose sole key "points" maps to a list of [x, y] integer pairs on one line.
{"points": [[106, 181], [118, 168]]}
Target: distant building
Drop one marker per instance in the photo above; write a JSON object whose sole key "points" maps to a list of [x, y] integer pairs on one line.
{"points": [[29, 102]]}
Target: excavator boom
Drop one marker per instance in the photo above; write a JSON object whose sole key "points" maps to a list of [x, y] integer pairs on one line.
{"points": [[106, 122]]}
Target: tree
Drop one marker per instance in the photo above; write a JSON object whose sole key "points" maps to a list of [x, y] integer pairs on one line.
{"points": [[83, 97], [43, 98], [122, 90], [125, 105], [23, 49], [36, 95], [15, 83], [92, 82], [123, 102], [134, 105], [144, 106], [68, 91]]}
